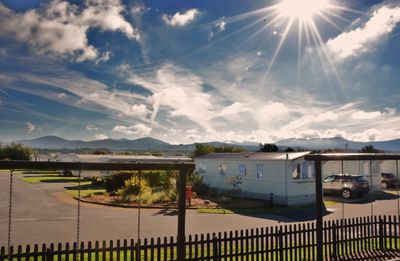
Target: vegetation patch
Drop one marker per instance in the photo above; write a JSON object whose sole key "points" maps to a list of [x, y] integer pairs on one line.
{"points": [[49, 178], [86, 190]]}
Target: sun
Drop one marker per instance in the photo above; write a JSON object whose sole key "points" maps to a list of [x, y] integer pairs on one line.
{"points": [[303, 10]]}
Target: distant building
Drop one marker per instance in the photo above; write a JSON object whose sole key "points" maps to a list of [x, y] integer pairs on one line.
{"points": [[73, 157]]}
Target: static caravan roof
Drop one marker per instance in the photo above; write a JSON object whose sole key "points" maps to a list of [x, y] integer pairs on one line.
{"points": [[254, 156]]}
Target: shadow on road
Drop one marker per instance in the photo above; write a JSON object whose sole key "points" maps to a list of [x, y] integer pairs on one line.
{"points": [[166, 212], [365, 199]]}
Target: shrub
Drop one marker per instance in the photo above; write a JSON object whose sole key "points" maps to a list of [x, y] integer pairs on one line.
{"points": [[117, 180], [134, 186], [97, 181], [67, 173], [15, 152], [157, 178], [198, 186]]}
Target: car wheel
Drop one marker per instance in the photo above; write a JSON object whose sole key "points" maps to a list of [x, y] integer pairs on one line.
{"points": [[384, 185], [346, 193]]}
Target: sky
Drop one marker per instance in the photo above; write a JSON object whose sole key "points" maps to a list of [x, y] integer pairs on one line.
{"points": [[188, 71]]}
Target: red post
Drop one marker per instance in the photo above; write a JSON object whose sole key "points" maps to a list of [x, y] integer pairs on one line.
{"points": [[189, 194]]}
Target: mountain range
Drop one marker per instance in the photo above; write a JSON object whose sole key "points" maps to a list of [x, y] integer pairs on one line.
{"points": [[152, 144]]}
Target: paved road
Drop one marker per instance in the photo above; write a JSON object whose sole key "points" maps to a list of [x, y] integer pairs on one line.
{"points": [[42, 214]]}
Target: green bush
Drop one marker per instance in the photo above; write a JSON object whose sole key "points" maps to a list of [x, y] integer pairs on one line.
{"points": [[117, 180], [15, 152], [97, 181], [67, 173], [196, 181], [157, 178]]}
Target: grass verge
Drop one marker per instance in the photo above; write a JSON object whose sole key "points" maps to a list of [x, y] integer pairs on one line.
{"points": [[48, 178], [87, 189]]}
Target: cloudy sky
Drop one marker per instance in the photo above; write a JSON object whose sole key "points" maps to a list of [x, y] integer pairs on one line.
{"points": [[200, 70]]}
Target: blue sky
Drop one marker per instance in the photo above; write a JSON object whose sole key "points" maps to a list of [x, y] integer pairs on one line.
{"points": [[200, 70]]}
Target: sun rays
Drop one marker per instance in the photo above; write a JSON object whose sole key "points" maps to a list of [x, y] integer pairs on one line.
{"points": [[286, 18]]}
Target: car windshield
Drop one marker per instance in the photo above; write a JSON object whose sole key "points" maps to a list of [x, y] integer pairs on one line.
{"points": [[388, 175], [361, 179]]}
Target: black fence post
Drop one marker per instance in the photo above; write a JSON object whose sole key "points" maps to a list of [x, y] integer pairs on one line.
{"points": [[381, 233], [138, 257], [280, 242], [320, 207], [334, 241], [49, 255], [215, 249], [181, 248]]}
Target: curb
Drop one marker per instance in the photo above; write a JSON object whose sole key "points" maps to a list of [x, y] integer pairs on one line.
{"points": [[130, 206]]}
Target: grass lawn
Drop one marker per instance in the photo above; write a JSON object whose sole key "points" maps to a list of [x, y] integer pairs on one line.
{"points": [[87, 189], [48, 178], [28, 172], [393, 191], [72, 182], [275, 210]]}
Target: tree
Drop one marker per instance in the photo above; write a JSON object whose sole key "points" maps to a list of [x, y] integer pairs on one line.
{"points": [[289, 149], [202, 149], [268, 147], [15, 151], [369, 149], [227, 149]]}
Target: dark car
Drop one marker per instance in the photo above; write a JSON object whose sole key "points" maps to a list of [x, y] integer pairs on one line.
{"points": [[389, 180], [346, 185]]}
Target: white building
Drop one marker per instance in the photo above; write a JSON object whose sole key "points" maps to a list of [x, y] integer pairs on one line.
{"points": [[391, 166], [287, 175]]}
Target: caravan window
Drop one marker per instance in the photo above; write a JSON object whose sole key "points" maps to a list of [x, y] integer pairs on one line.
{"points": [[222, 169], [308, 171], [260, 170], [242, 170], [202, 168], [296, 173], [304, 171]]}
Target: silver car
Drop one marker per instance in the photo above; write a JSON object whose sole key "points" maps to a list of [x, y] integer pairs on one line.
{"points": [[346, 185]]}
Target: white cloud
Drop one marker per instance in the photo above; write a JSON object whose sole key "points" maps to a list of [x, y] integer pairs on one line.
{"points": [[234, 109], [137, 130], [361, 39], [181, 19], [139, 9], [94, 95], [60, 28], [179, 92], [29, 127], [363, 115], [104, 57], [62, 96], [367, 135], [220, 24], [91, 127], [101, 136], [269, 115]]}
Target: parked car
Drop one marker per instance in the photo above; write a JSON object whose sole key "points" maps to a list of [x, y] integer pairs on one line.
{"points": [[389, 180], [346, 185]]}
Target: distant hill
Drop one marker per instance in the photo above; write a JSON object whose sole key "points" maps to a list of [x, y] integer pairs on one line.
{"points": [[142, 144], [151, 144], [339, 143]]}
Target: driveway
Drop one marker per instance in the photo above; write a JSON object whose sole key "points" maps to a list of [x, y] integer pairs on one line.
{"points": [[43, 214]]}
